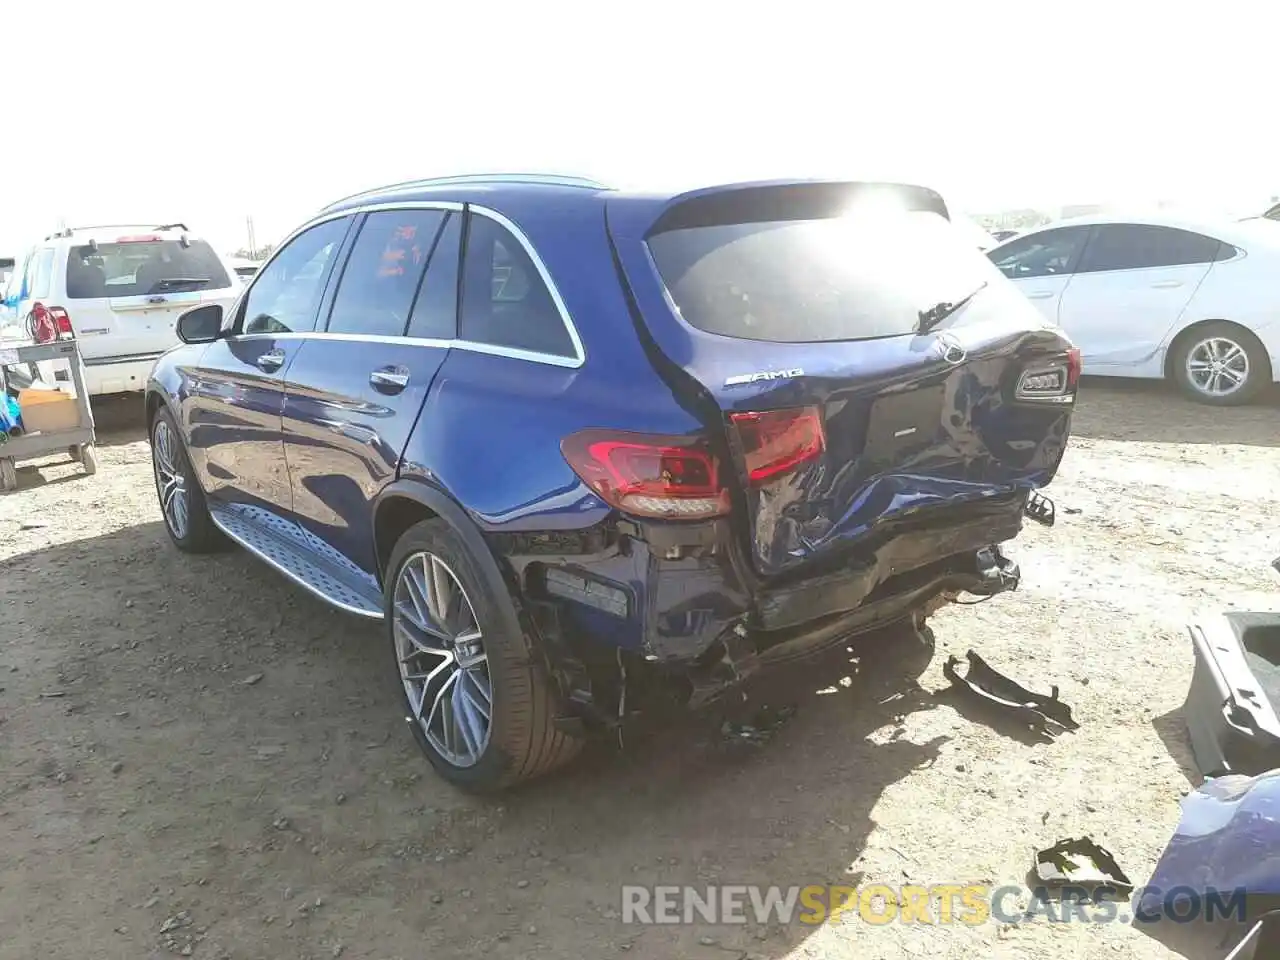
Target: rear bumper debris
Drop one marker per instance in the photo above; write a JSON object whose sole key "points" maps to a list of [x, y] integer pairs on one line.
{"points": [[1040, 509], [988, 686], [1081, 866]]}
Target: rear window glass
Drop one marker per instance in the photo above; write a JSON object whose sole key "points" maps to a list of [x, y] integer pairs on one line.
{"points": [[855, 277], [141, 268]]}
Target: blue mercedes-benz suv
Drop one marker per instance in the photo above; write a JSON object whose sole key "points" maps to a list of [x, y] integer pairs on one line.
{"points": [[582, 449]]}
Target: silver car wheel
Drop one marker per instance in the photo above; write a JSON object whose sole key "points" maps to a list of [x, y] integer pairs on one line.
{"points": [[1217, 366], [171, 482], [443, 665]]}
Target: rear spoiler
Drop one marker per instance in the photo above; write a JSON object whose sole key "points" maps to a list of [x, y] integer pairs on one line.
{"points": [[783, 200]]}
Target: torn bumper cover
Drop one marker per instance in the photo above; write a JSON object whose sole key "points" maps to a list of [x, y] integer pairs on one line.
{"points": [[990, 687], [744, 650], [1230, 710]]}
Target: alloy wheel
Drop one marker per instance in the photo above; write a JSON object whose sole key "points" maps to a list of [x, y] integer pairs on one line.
{"points": [[443, 665], [1217, 366], [171, 482]]}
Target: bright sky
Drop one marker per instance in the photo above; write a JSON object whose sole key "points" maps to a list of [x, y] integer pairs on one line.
{"points": [[207, 112]]}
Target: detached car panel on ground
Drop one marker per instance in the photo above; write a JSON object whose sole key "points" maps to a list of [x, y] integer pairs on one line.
{"points": [[579, 448]]}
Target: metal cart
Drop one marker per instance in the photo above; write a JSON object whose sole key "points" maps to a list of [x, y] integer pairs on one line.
{"points": [[77, 441]]}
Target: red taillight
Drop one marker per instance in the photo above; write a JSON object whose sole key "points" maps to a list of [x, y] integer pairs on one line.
{"points": [[672, 478], [47, 324], [777, 441], [1074, 366], [62, 323], [144, 238]]}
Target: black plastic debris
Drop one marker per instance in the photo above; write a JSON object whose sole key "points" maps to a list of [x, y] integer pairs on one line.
{"points": [[759, 727], [1040, 509], [1082, 865], [990, 686]]}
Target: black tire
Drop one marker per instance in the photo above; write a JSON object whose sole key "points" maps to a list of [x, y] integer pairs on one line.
{"points": [[200, 536], [1259, 364], [523, 740]]}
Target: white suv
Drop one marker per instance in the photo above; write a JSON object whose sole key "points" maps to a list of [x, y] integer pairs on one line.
{"points": [[118, 290]]}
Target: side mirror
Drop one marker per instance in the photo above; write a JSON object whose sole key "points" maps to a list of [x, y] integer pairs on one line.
{"points": [[201, 324]]}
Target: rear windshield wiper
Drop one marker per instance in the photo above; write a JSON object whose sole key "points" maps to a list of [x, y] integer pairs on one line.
{"points": [[940, 311], [172, 283]]}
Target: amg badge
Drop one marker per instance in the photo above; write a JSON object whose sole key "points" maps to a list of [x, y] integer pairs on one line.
{"points": [[744, 378]]}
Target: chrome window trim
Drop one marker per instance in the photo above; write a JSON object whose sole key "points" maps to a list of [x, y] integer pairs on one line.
{"points": [[555, 360]]}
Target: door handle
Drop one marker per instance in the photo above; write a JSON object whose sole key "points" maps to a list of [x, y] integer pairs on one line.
{"points": [[389, 379], [271, 361], [1041, 295], [1166, 284]]}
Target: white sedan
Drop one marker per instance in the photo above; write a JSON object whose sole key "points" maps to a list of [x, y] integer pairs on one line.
{"points": [[1195, 302]]}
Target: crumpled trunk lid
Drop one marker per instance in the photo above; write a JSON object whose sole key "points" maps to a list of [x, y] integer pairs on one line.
{"points": [[830, 439]]}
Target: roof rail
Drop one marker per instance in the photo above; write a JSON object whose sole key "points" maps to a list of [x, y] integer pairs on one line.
{"points": [[549, 179], [68, 231]]}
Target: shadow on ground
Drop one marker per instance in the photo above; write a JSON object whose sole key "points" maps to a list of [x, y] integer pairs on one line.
{"points": [[203, 728], [119, 420], [1110, 408], [1171, 728]]}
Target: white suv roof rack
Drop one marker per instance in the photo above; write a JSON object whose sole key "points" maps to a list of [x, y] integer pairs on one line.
{"points": [[71, 231]]}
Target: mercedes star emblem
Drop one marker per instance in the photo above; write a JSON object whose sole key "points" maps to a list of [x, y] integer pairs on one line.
{"points": [[951, 349]]}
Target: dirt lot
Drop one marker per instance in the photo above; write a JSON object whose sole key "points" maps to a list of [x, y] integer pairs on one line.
{"points": [[145, 778]]}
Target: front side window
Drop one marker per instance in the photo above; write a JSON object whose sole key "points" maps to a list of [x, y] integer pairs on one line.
{"points": [[1136, 246], [145, 266], [286, 292], [504, 300], [381, 277], [1049, 253]]}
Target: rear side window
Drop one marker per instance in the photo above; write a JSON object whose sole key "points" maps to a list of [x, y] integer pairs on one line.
{"points": [[40, 274], [382, 274], [286, 292], [139, 268], [1135, 246], [504, 300], [1048, 253], [855, 277], [435, 312]]}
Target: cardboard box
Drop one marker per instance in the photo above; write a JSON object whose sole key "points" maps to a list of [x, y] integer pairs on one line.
{"points": [[48, 411]]}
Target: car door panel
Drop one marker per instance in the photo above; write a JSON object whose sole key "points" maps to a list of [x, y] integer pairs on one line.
{"points": [[1119, 319], [354, 394], [234, 425], [1132, 285], [234, 420], [1046, 293], [345, 430]]}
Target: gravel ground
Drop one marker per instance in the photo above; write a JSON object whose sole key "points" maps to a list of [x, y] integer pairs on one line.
{"points": [[199, 758]]}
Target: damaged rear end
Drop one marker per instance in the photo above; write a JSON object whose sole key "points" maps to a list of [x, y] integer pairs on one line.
{"points": [[878, 406]]}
